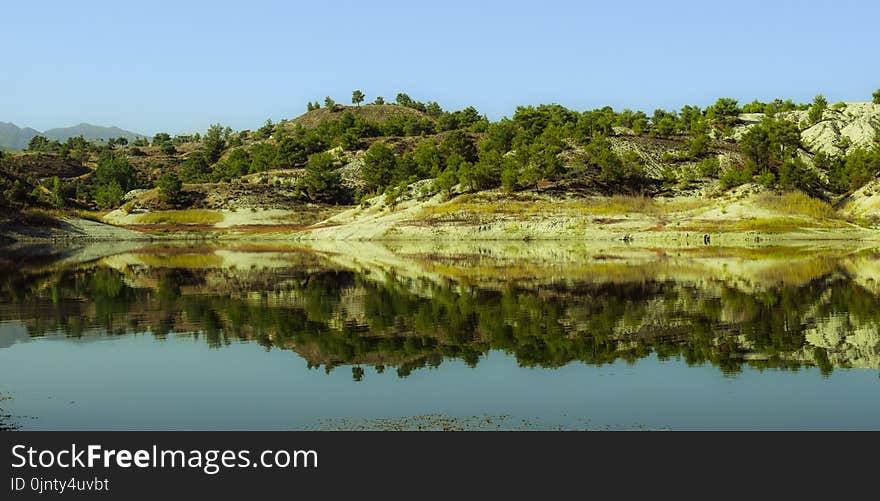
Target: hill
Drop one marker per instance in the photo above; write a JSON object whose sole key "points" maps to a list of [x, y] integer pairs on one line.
{"points": [[90, 132], [15, 138], [726, 174], [372, 113], [12, 137]]}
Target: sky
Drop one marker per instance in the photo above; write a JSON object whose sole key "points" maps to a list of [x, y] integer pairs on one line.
{"points": [[181, 66]]}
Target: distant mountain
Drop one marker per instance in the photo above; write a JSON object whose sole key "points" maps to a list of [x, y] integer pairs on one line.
{"points": [[13, 137], [91, 132]]}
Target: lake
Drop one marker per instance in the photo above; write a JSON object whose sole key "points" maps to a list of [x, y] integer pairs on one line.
{"points": [[432, 335]]}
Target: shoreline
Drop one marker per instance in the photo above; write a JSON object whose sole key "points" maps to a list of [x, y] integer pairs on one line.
{"points": [[97, 232]]}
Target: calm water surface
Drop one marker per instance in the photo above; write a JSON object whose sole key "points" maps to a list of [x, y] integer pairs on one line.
{"points": [[509, 337]]}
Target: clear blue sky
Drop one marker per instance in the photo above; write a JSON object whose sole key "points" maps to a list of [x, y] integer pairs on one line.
{"points": [[179, 66]]}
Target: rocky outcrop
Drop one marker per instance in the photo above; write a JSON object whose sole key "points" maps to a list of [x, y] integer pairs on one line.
{"points": [[843, 126]]}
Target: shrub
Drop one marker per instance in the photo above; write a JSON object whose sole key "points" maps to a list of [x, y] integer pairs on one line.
{"points": [[698, 146], [709, 167], [736, 175], [109, 195], [766, 178]]}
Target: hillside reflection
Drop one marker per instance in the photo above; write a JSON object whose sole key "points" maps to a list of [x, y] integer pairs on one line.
{"points": [[734, 308]]}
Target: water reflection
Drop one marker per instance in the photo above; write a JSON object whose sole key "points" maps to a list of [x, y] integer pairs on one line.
{"points": [[407, 309]]}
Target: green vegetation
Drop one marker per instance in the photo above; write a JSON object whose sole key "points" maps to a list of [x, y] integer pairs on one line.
{"points": [[357, 97], [817, 109], [859, 166], [587, 318], [379, 166], [322, 182], [545, 147], [170, 189]]}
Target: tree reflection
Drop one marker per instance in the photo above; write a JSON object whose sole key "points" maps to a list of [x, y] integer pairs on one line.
{"points": [[335, 317]]}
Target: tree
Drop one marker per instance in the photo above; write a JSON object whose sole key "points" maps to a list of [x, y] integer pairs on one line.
{"points": [[698, 146], [611, 167], [235, 165], [170, 188], [818, 108], [262, 157], [115, 169], [357, 97], [214, 143], [876, 96], [168, 148], [195, 169], [665, 126], [447, 180], [379, 165], [322, 182], [289, 152], [57, 197], [403, 99], [860, 166], [427, 158], [160, 138], [434, 109], [485, 174], [691, 118], [266, 130], [509, 174], [723, 112], [38, 143], [461, 143], [770, 142], [329, 103], [381, 100], [794, 173], [109, 195]]}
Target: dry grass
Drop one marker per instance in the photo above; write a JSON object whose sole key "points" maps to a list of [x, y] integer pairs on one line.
{"points": [[796, 203], [761, 224], [190, 216], [96, 216], [38, 217], [372, 113], [617, 204], [50, 217], [480, 206]]}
